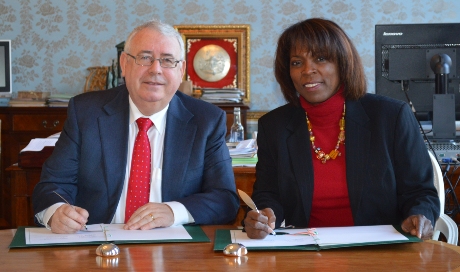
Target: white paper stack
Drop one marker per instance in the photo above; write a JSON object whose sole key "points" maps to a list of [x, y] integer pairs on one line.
{"points": [[244, 149], [222, 95]]}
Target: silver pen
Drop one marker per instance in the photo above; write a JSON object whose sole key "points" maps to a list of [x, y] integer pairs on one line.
{"points": [[69, 204], [248, 200]]}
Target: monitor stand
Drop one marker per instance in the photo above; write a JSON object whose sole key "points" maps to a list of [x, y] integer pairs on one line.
{"points": [[444, 117], [442, 138]]}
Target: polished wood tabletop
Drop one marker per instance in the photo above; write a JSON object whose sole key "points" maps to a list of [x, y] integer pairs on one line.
{"points": [[422, 256]]}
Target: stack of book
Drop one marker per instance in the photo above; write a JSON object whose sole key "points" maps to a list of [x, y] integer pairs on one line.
{"points": [[5, 99], [249, 162], [233, 95], [29, 99], [59, 100], [244, 153]]}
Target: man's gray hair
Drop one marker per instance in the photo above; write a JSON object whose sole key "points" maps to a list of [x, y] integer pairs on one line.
{"points": [[163, 28]]}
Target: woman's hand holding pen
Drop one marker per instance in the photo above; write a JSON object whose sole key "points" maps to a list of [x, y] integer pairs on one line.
{"points": [[68, 219], [259, 225]]}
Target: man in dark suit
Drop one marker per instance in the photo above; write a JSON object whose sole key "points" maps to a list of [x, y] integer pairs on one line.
{"points": [[191, 178]]}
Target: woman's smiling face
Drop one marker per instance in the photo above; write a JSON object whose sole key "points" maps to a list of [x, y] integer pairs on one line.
{"points": [[315, 78]]}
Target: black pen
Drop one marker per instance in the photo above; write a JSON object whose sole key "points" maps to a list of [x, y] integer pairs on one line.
{"points": [[69, 204], [281, 233]]}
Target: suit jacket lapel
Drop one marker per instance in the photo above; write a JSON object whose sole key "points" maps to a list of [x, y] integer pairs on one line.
{"points": [[177, 148], [114, 140], [357, 145], [300, 156]]}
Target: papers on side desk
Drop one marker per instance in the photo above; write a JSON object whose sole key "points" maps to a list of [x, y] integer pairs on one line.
{"points": [[59, 100], [244, 149], [244, 153], [222, 95], [104, 232], [38, 144]]}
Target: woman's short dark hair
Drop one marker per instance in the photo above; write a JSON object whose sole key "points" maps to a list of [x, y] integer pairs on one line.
{"points": [[324, 38]]}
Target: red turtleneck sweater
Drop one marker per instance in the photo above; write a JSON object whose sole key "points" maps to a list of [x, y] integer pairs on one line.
{"points": [[331, 204]]}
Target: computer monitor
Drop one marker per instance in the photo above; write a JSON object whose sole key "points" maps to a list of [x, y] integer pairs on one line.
{"points": [[402, 60], [5, 68]]}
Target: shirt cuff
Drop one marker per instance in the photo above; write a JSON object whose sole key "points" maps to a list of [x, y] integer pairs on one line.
{"points": [[181, 214], [44, 216]]}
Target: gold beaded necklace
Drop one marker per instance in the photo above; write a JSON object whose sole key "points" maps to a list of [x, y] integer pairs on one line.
{"points": [[323, 157]]}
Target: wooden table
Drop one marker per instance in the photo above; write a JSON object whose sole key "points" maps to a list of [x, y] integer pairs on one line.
{"points": [[423, 256]]}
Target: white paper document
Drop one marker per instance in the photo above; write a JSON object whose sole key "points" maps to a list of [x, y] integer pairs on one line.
{"points": [[246, 148], [238, 236], [324, 236], [358, 234], [38, 144], [104, 232]]}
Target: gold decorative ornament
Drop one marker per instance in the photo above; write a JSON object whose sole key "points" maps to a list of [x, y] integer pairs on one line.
{"points": [[238, 35], [97, 78], [211, 63]]}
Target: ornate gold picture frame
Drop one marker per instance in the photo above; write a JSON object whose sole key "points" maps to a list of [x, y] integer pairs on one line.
{"points": [[218, 56]]}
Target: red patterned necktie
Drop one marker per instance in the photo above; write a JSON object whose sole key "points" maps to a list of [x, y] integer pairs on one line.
{"points": [[141, 164]]}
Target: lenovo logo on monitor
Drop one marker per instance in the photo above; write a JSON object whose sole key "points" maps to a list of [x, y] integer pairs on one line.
{"points": [[392, 33], [403, 54]]}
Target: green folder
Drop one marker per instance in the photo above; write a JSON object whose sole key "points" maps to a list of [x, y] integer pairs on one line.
{"points": [[198, 235], [222, 238], [243, 161]]}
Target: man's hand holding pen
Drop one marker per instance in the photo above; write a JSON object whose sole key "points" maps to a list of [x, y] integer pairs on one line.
{"points": [[259, 225], [68, 219]]}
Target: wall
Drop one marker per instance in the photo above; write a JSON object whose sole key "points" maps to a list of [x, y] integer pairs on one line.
{"points": [[54, 41]]}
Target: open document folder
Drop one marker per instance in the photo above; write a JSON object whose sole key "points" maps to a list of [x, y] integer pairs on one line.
{"points": [[100, 233], [316, 239]]}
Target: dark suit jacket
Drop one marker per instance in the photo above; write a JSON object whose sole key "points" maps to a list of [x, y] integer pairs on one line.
{"points": [[88, 164], [389, 173]]}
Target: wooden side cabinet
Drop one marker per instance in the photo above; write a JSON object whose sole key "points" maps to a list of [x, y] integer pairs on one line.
{"points": [[244, 180], [22, 183], [19, 126]]}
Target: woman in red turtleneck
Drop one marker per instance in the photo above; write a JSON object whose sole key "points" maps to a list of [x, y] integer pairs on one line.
{"points": [[335, 155]]}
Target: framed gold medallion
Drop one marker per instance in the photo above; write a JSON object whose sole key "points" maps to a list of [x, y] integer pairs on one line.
{"points": [[218, 56]]}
